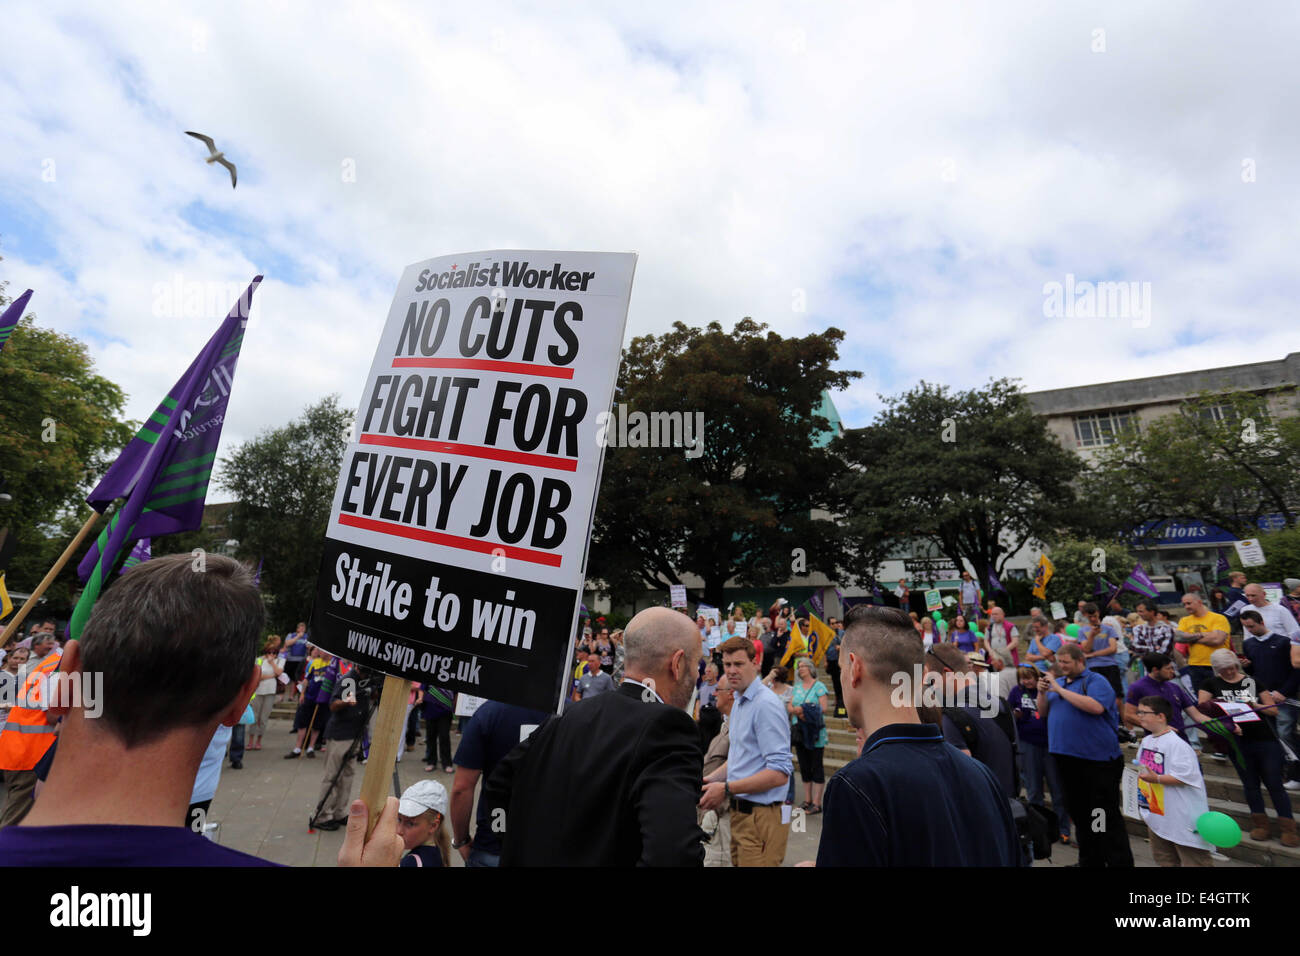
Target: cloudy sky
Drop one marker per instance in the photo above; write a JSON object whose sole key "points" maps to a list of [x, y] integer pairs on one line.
{"points": [[913, 174]]}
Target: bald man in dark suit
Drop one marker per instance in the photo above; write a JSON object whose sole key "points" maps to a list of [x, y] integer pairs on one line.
{"points": [[616, 779]]}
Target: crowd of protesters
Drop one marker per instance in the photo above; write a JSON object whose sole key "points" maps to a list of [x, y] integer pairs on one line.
{"points": [[1039, 711]]}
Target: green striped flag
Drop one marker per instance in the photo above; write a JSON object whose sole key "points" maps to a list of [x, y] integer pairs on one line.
{"points": [[163, 472]]}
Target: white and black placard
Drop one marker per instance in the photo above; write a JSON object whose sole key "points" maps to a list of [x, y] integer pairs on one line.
{"points": [[1250, 552], [457, 542]]}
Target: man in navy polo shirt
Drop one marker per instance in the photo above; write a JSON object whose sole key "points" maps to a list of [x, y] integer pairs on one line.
{"points": [[910, 798], [493, 731], [1081, 724], [1273, 664]]}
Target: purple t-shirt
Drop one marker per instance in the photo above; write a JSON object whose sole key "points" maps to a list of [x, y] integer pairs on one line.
{"points": [[1029, 725], [1170, 690], [116, 845], [965, 640]]}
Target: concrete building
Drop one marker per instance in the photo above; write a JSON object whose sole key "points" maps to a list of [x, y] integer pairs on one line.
{"points": [[1090, 417]]}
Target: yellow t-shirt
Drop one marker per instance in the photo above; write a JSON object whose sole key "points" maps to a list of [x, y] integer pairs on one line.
{"points": [[1199, 654]]}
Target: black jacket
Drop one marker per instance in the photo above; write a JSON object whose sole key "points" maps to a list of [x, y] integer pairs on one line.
{"points": [[613, 782]]}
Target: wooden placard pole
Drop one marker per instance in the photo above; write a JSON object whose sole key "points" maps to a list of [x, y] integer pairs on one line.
{"points": [[46, 581], [383, 746]]}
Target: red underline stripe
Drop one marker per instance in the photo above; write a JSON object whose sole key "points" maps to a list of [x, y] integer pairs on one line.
{"points": [[485, 365], [450, 540], [473, 451]]}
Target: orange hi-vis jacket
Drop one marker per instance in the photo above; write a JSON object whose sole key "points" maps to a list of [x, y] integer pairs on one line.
{"points": [[26, 736]]}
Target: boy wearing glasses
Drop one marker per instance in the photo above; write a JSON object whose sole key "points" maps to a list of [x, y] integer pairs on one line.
{"points": [[1171, 790]]}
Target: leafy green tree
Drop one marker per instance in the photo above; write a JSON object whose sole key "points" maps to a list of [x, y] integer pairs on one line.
{"points": [[60, 428], [976, 473], [1222, 460], [747, 506], [1281, 554], [1079, 563], [36, 554], [284, 481]]}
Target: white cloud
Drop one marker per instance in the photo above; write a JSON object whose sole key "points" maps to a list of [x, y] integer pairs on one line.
{"points": [[918, 171]]}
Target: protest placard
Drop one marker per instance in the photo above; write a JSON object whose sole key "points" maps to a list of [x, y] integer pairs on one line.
{"points": [[457, 541], [1250, 552], [933, 600], [678, 595], [466, 704], [1129, 792]]}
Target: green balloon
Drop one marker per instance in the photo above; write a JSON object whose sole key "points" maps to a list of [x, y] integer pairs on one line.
{"points": [[937, 615], [1218, 829], [1072, 630], [974, 629]]}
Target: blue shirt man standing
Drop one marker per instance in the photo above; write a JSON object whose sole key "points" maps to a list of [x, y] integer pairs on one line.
{"points": [[754, 779], [1081, 735]]}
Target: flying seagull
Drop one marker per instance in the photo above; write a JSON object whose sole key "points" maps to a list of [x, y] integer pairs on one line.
{"points": [[214, 156]]}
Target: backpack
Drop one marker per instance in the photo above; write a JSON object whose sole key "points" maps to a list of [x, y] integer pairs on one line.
{"points": [[1005, 722], [1036, 826]]}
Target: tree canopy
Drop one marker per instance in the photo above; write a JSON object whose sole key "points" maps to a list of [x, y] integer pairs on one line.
{"points": [[976, 473], [1080, 563], [746, 502], [284, 482], [1222, 460], [60, 428]]}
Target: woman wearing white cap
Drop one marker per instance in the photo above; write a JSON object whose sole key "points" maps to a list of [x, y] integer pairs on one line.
{"points": [[421, 816]]}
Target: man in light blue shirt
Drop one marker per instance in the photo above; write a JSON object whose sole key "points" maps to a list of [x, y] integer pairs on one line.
{"points": [[1100, 646], [1043, 644], [758, 768]]}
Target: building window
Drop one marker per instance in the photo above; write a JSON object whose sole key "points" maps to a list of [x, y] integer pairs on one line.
{"points": [[1227, 412], [1217, 413], [1102, 428]]}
